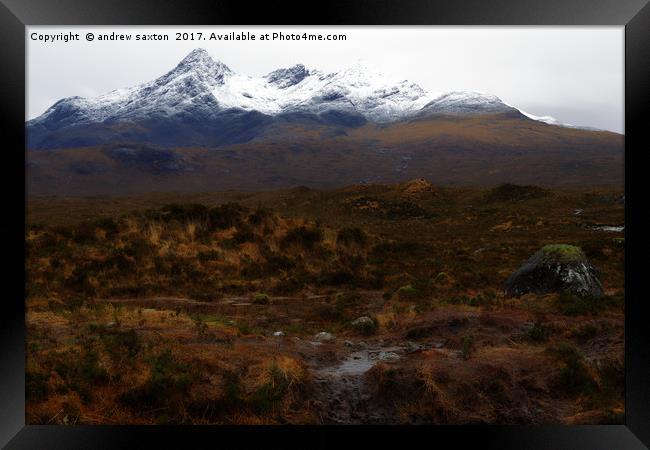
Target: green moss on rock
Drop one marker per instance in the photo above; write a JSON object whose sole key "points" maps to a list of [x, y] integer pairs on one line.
{"points": [[563, 252]]}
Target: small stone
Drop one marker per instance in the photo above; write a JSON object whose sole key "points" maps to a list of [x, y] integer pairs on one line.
{"points": [[413, 347], [278, 333], [324, 336], [348, 343], [388, 356]]}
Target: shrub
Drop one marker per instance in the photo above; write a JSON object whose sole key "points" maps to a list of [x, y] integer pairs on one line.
{"points": [[585, 331], [84, 233], [186, 212], [79, 282], [109, 225], [80, 371], [74, 302], [326, 311], [50, 243], [351, 236], [232, 391], [244, 235], [209, 255], [405, 250], [287, 285], [593, 249], [228, 244], [260, 298], [258, 216], [486, 299], [467, 346], [276, 262], [612, 378], [225, 216], [513, 192], [336, 277], [364, 325], [120, 343], [573, 377], [344, 302], [36, 387], [407, 291], [442, 277], [573, 305], [267, 395], [168, 380], [404, 210], [303, 237], [615, 418], [285, 377], [539, 332], [137, 248]]}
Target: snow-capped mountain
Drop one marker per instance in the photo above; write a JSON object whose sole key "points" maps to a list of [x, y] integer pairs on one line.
{"points": [[220, 104], [203, 127], [297, 89], [187, 87]]}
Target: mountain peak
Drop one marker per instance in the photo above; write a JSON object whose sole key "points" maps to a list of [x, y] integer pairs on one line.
{"points": [[466, 102], [200, 61], [283, 78], [195, 56]]}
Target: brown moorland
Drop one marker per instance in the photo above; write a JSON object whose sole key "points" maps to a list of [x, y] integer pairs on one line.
{"points": [[470, 151], [243, 308]]}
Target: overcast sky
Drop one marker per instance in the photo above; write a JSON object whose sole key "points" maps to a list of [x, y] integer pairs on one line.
{"points": [[574, 74]]}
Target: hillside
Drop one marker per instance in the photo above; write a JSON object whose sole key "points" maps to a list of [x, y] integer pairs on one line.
{"points": [[476, 151]]}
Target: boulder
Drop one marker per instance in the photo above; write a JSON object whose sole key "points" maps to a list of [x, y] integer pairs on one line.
{"points": [[557, 268]]}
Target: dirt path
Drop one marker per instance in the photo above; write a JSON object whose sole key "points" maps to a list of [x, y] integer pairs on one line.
{"points": [[171, 302]]}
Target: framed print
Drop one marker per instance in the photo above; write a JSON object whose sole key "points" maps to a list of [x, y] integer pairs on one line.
{"points": [[259, 223]]}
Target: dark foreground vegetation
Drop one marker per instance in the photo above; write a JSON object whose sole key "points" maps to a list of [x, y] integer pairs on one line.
{"points": [[368, 304]]}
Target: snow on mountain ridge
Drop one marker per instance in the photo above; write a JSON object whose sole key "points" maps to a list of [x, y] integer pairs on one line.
{"points": [[202, 87]]}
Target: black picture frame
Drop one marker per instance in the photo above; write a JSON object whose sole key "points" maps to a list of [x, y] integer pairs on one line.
{"points": [[16, 14]]}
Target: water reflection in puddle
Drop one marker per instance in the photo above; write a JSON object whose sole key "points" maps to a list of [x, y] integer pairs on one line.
{"points": [[608, 228]]}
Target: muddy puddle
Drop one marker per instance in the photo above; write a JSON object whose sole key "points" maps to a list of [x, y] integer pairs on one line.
{"points": [[344, 395], [359, 362]]}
